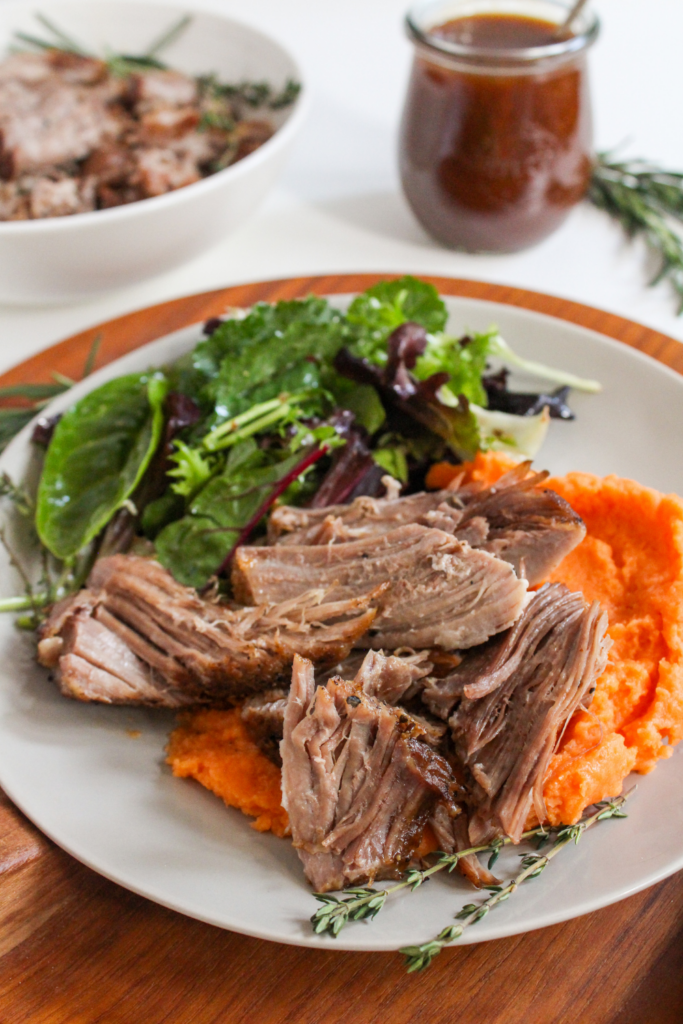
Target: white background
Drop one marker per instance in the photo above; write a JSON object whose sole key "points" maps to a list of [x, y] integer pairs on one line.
{"points": [[339, 206]]}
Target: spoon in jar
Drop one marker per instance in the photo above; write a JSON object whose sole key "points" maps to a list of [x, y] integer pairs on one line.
{"points": [[565, 27]]}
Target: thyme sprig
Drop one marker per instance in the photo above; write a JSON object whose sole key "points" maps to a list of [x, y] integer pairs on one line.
{"points": [[31, 601], [644, 199], [34, 599], [364, 903], [70, 575], [19, 496], [13, 419], [418, 958]]}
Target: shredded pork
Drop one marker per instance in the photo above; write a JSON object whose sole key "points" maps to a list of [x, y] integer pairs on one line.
{"points": [[515, 519], [529, 688], [357, 781], [455, 724]]}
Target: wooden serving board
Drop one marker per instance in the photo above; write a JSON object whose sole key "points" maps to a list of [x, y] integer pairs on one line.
{"points": [[77, 949]]}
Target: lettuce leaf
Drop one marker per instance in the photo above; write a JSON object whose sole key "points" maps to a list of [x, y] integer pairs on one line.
{"points": [[377, 312], [463, 359], [505, 432]]}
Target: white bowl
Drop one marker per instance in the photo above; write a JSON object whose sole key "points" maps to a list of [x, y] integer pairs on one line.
{"points": [[62, 259]]}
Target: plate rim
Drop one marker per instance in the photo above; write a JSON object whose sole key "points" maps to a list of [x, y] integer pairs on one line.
{"points": [[149, 323]]}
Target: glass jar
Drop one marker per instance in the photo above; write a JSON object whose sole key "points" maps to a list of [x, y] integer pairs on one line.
{"points": [[496, 136]]}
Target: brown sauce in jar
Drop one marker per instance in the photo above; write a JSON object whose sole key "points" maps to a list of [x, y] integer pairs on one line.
{"points": [[494, 157]]}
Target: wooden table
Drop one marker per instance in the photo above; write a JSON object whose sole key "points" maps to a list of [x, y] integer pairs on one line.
{"points": [[77, 949]]}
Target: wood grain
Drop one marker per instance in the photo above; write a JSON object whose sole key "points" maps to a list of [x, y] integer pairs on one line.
{"points": [[77, 949]]}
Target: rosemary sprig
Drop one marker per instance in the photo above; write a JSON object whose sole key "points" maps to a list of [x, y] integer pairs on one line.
{"points": [[121, 64], [14, 418], [66, 42], [420, 957], [252, 94], [644, 199], [92, 355], [12, 421], [34, 392], [168, 37], [364, 903]]}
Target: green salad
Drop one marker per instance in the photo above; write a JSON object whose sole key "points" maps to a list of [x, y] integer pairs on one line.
{"points": [[297, 402]]}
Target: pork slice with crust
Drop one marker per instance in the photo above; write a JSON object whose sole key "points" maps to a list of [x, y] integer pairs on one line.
{"points": [[172, 647]]}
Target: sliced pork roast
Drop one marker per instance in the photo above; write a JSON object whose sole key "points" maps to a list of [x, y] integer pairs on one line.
{"points": [[439, 592], [511, 701], [529, 527], [364, 517], [136, 636], [358, 782], [390, 679]]}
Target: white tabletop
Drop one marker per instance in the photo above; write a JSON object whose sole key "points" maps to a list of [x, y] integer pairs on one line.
{"points": [[339, 206]]}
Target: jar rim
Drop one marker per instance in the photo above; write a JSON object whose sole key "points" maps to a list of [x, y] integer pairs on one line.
{"points": [[419, 28]]}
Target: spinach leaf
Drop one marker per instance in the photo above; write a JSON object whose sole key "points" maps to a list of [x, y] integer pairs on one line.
{"points": [[194, 547], [99, 452], [463, 359], [387, 305]]}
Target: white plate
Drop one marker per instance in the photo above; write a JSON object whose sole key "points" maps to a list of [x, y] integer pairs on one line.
{"points": [[109, 799]]}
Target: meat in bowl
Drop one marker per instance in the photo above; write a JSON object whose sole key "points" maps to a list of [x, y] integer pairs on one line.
{"points": [[79, 133]]}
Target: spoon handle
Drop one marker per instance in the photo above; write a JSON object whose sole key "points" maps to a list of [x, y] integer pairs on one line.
{"points": [[574, 12]]}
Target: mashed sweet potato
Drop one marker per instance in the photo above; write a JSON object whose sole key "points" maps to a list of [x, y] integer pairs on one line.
{"points": [[484, 469], [214, 748], [632, 562]]}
